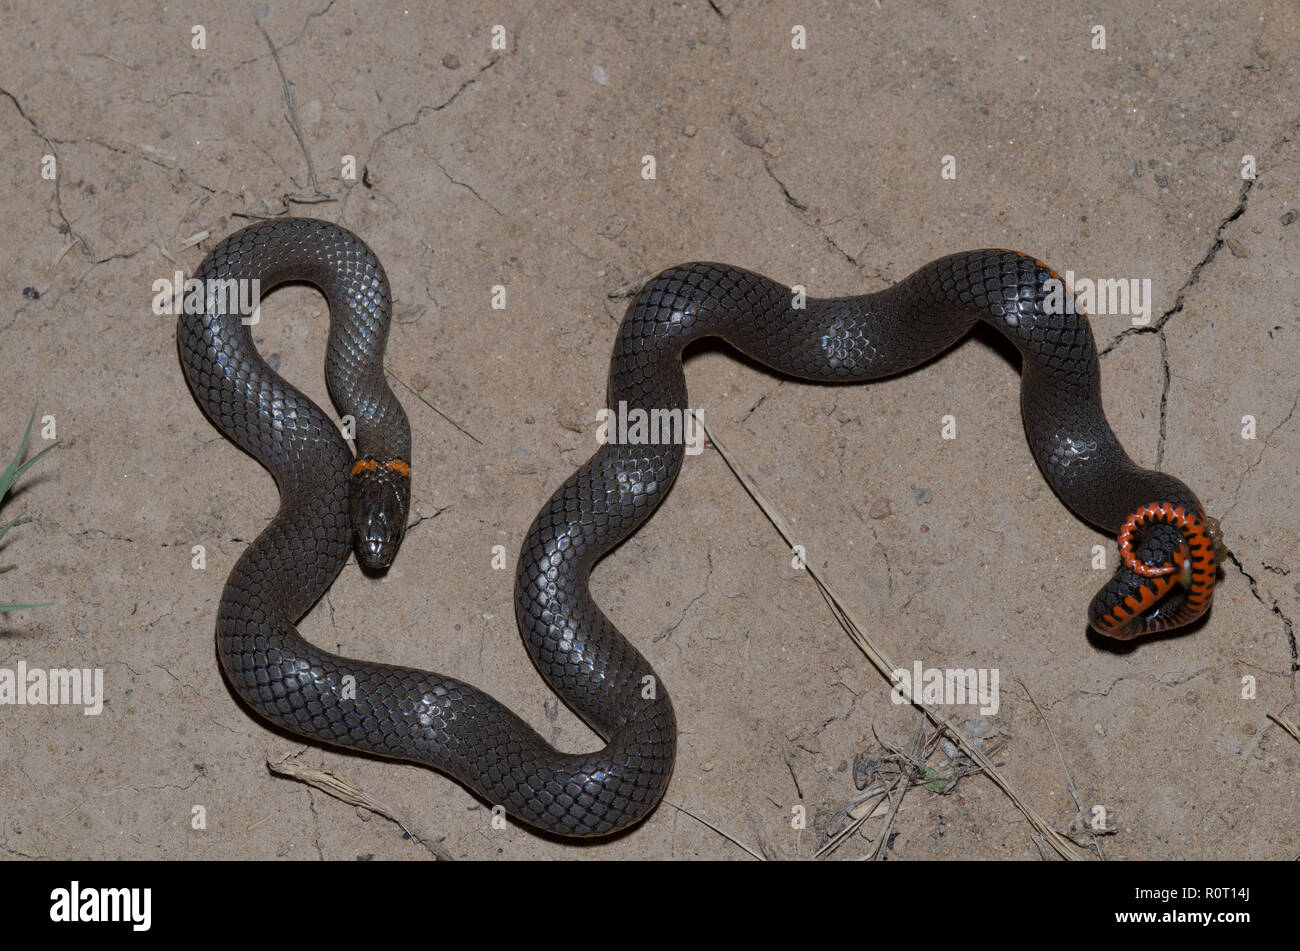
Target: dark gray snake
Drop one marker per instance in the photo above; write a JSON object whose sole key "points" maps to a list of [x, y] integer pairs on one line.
{"points": [[1165, 578]]}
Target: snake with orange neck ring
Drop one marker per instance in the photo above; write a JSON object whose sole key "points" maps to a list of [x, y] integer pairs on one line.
{"points": [[331, 499]]}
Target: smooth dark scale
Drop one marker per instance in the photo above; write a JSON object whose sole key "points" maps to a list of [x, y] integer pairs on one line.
{"points": [[453, 727]]}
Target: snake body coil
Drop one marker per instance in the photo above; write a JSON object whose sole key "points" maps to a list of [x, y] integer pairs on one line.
{"points": [[1165, 579]]}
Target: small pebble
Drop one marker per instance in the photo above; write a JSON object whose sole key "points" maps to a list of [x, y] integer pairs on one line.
{"points": [[83, 627], [451, 61], [880, 509], [689, 132], [1289, 217], [598, 73]]}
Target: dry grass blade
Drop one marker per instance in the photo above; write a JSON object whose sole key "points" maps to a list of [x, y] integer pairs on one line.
{"points": [[888, 779], [1059, 844], [341, 789], [419, 396], [292, 118], [726, 835], [1082, 817], [869, 804], [886, 833], [1285, 724]]}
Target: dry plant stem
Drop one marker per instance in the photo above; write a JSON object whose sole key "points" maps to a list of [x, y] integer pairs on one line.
{"points": [[1074, 792], [1285, 724], [341, 789], [705, 822], [884, 665]]}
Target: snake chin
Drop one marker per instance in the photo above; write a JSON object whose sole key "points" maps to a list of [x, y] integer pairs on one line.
{"points": [[378, 502]]}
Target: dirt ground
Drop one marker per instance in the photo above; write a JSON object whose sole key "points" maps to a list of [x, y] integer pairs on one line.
{"points": [[523, 167]]}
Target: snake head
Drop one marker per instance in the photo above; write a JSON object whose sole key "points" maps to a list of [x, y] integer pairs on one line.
{"points": [[1168, 561], [379, 498]]}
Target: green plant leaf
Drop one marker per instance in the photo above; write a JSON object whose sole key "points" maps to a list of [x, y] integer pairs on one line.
{"points": [[15, 469], [8, 525], [28, 464], [935, 785], [12, 473]]}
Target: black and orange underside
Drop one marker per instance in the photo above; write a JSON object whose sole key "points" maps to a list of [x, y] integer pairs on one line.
{"points": [[1193, 565]]}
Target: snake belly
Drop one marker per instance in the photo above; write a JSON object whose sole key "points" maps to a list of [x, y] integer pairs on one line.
{"points": [[459, 730]]}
